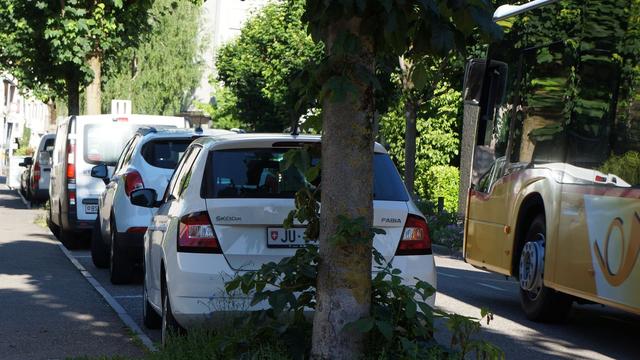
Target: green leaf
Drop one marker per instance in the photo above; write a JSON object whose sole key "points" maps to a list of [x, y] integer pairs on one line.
{"points": [[385, 329], [363, 325], [411, 309]]}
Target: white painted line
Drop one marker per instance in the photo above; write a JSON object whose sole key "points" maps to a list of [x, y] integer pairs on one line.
{"points": [[81, 256], [122, 314], [449, 275], [492, 287], [127, 296], [24, 201]]}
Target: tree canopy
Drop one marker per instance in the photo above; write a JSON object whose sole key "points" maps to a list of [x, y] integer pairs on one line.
{"points": [[260, 66], [160, 74]]}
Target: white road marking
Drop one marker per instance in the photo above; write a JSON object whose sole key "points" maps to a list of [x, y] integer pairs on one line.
{"points": [[81, 256], [449, 275], [127, 296], [120, 311], [491, 286]]}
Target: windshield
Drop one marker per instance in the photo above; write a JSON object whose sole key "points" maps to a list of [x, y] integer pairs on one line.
{"points": [[103, 143], [257, 173]]}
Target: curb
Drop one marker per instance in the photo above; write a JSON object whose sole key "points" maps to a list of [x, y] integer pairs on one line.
{"points": [[445, 251], [113, 303], [24, 201]]}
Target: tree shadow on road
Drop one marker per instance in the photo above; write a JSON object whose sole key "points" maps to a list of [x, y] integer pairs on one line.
{"points": [[602, 330]]}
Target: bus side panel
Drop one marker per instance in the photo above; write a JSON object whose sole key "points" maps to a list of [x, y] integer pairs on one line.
{"points": [[608, 226]]}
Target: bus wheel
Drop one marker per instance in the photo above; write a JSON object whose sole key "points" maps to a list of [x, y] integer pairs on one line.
{"points": [[539, 302]]}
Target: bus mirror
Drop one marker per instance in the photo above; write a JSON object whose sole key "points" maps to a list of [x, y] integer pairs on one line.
{"points": [[475, 91]]}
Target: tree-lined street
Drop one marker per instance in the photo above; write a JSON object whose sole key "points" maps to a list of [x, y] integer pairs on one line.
{"points": [[56, 313]]}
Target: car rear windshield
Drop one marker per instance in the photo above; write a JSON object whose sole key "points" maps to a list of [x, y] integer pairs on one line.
{"points": [[164, 153], [103, 143], [257, 173]]}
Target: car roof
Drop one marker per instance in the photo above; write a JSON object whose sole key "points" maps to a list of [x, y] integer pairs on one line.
{"points": [[259, 140], [172, 132]]}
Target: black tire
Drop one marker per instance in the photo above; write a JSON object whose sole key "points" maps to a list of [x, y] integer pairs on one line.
{"points": [[545, 305], [99, 250], [120, 266], [170, 326], [150, 318], [71, 240], [55, 229]]}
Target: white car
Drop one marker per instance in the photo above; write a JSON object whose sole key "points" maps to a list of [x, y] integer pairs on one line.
{"points": [[81, 143], [148, 160], [222, 214]]}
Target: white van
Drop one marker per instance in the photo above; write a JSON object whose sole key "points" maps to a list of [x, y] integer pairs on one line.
{"points": [[81, 143]]}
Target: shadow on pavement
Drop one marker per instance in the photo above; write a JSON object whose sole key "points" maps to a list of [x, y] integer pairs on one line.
{"points": [[603, 330]]}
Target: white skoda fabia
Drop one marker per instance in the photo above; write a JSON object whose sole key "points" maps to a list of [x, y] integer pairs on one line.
{"points": [[222, 214]]}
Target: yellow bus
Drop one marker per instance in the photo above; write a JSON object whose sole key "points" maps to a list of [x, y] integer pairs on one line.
{"points": [[550, 161]]}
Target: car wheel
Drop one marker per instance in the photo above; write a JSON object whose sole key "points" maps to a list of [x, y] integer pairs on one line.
{"points": [[170, 326], [120, 267], [71, 240], [539, 302], [150, 317], [99, 250], [55, 229]]}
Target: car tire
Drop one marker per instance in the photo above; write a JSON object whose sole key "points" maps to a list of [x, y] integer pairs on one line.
{"points": [[55, 229], [120, 266], [169, 325], [541, 304], [99, 250], [71, 240], [150, 318]]}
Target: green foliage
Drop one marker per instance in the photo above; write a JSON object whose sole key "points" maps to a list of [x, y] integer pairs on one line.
{"points": [[401, 324], [222, 110], [438, 134], [626, 166], [42, 43], [442, 181], [160, 74], [260, 66]]}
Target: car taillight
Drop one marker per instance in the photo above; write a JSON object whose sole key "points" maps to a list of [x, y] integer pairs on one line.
{"points": [[196, 234], [36, 174], [72, 197], [132, 181], [71, 161], [137, 230], [415, 237]]}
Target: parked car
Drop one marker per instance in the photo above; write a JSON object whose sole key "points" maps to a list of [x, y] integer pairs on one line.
{"points": [[25, 176], [222, 214], [40, 172], [81, 143], [147, 161]]}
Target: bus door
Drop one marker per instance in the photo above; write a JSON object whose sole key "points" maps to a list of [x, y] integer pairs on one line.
{"points": [[483, 152]]}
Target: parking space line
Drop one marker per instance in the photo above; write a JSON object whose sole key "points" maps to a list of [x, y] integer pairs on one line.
{"points": [[127, 296], [449, 275], [491, 286], [120, 311], [81, 256]]}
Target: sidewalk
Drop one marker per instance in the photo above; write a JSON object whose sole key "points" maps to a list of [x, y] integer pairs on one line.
{"points": [[47, 309]]}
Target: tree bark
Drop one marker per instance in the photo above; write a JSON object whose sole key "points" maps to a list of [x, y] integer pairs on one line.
{"points": [[93, 89], [410, 108], [53, 114], [73, 93], [344, 271]]}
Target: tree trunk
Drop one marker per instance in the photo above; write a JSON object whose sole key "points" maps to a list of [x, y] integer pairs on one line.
{"points": [[93, 89], [53, 114], [410, 144], [73, 93], [344, 272]]}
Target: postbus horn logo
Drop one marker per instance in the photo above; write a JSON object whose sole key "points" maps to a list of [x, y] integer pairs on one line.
{"points": [[629, 256]]}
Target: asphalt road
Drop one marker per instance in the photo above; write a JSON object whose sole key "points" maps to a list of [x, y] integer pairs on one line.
{"points": [[39, 317], [47, 308], [590, 332]]}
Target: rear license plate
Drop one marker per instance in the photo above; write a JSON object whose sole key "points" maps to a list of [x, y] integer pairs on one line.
{"points": [[285, 238], [91, 208]]}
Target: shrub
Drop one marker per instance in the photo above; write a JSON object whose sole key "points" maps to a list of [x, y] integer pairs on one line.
{"points": [[441, 181]]}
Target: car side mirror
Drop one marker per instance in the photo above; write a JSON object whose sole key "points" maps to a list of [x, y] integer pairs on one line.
{"points": [[101, 172], [28, 161], [145, 198]]}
